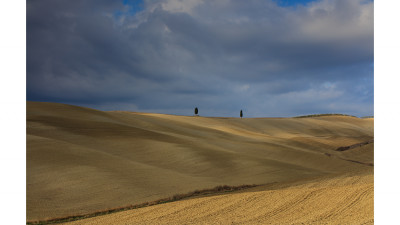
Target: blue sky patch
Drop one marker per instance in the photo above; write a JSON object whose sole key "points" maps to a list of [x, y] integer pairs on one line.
{"points": [[286, 3]]}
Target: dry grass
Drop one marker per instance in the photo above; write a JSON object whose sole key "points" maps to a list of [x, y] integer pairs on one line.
{"points": [[342, 199], [177, 197], [81, 160], [345, 148]]}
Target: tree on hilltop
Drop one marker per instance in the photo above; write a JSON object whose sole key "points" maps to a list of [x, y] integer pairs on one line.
{"points": [[196, 111]]}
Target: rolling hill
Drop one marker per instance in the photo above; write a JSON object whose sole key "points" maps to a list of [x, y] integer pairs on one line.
{"points": [[81, 160]]}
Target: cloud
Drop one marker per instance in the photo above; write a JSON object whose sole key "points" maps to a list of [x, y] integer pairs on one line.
{"points": [[222, 56]]}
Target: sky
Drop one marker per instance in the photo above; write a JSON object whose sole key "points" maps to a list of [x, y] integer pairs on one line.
{"points": [[268, 58]]}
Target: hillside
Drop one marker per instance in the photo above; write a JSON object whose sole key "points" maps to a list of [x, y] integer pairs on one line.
{"points": [[344, 199], [81, 160]]}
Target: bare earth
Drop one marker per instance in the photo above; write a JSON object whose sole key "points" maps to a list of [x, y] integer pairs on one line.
{"points": [[81, 160]]}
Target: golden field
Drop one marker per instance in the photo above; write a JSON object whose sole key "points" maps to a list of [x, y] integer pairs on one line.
{"points": [[346, 199], [81, 160]]}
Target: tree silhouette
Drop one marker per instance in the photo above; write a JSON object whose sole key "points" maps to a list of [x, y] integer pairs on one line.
{"points": [[196, 111], [241, 113]]}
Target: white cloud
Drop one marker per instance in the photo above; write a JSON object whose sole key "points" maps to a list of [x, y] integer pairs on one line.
{"points": [[244, 88], [185, 6]]}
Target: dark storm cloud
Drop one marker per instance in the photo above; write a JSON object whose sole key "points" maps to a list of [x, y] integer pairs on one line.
{"points": [[221, 56]]}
